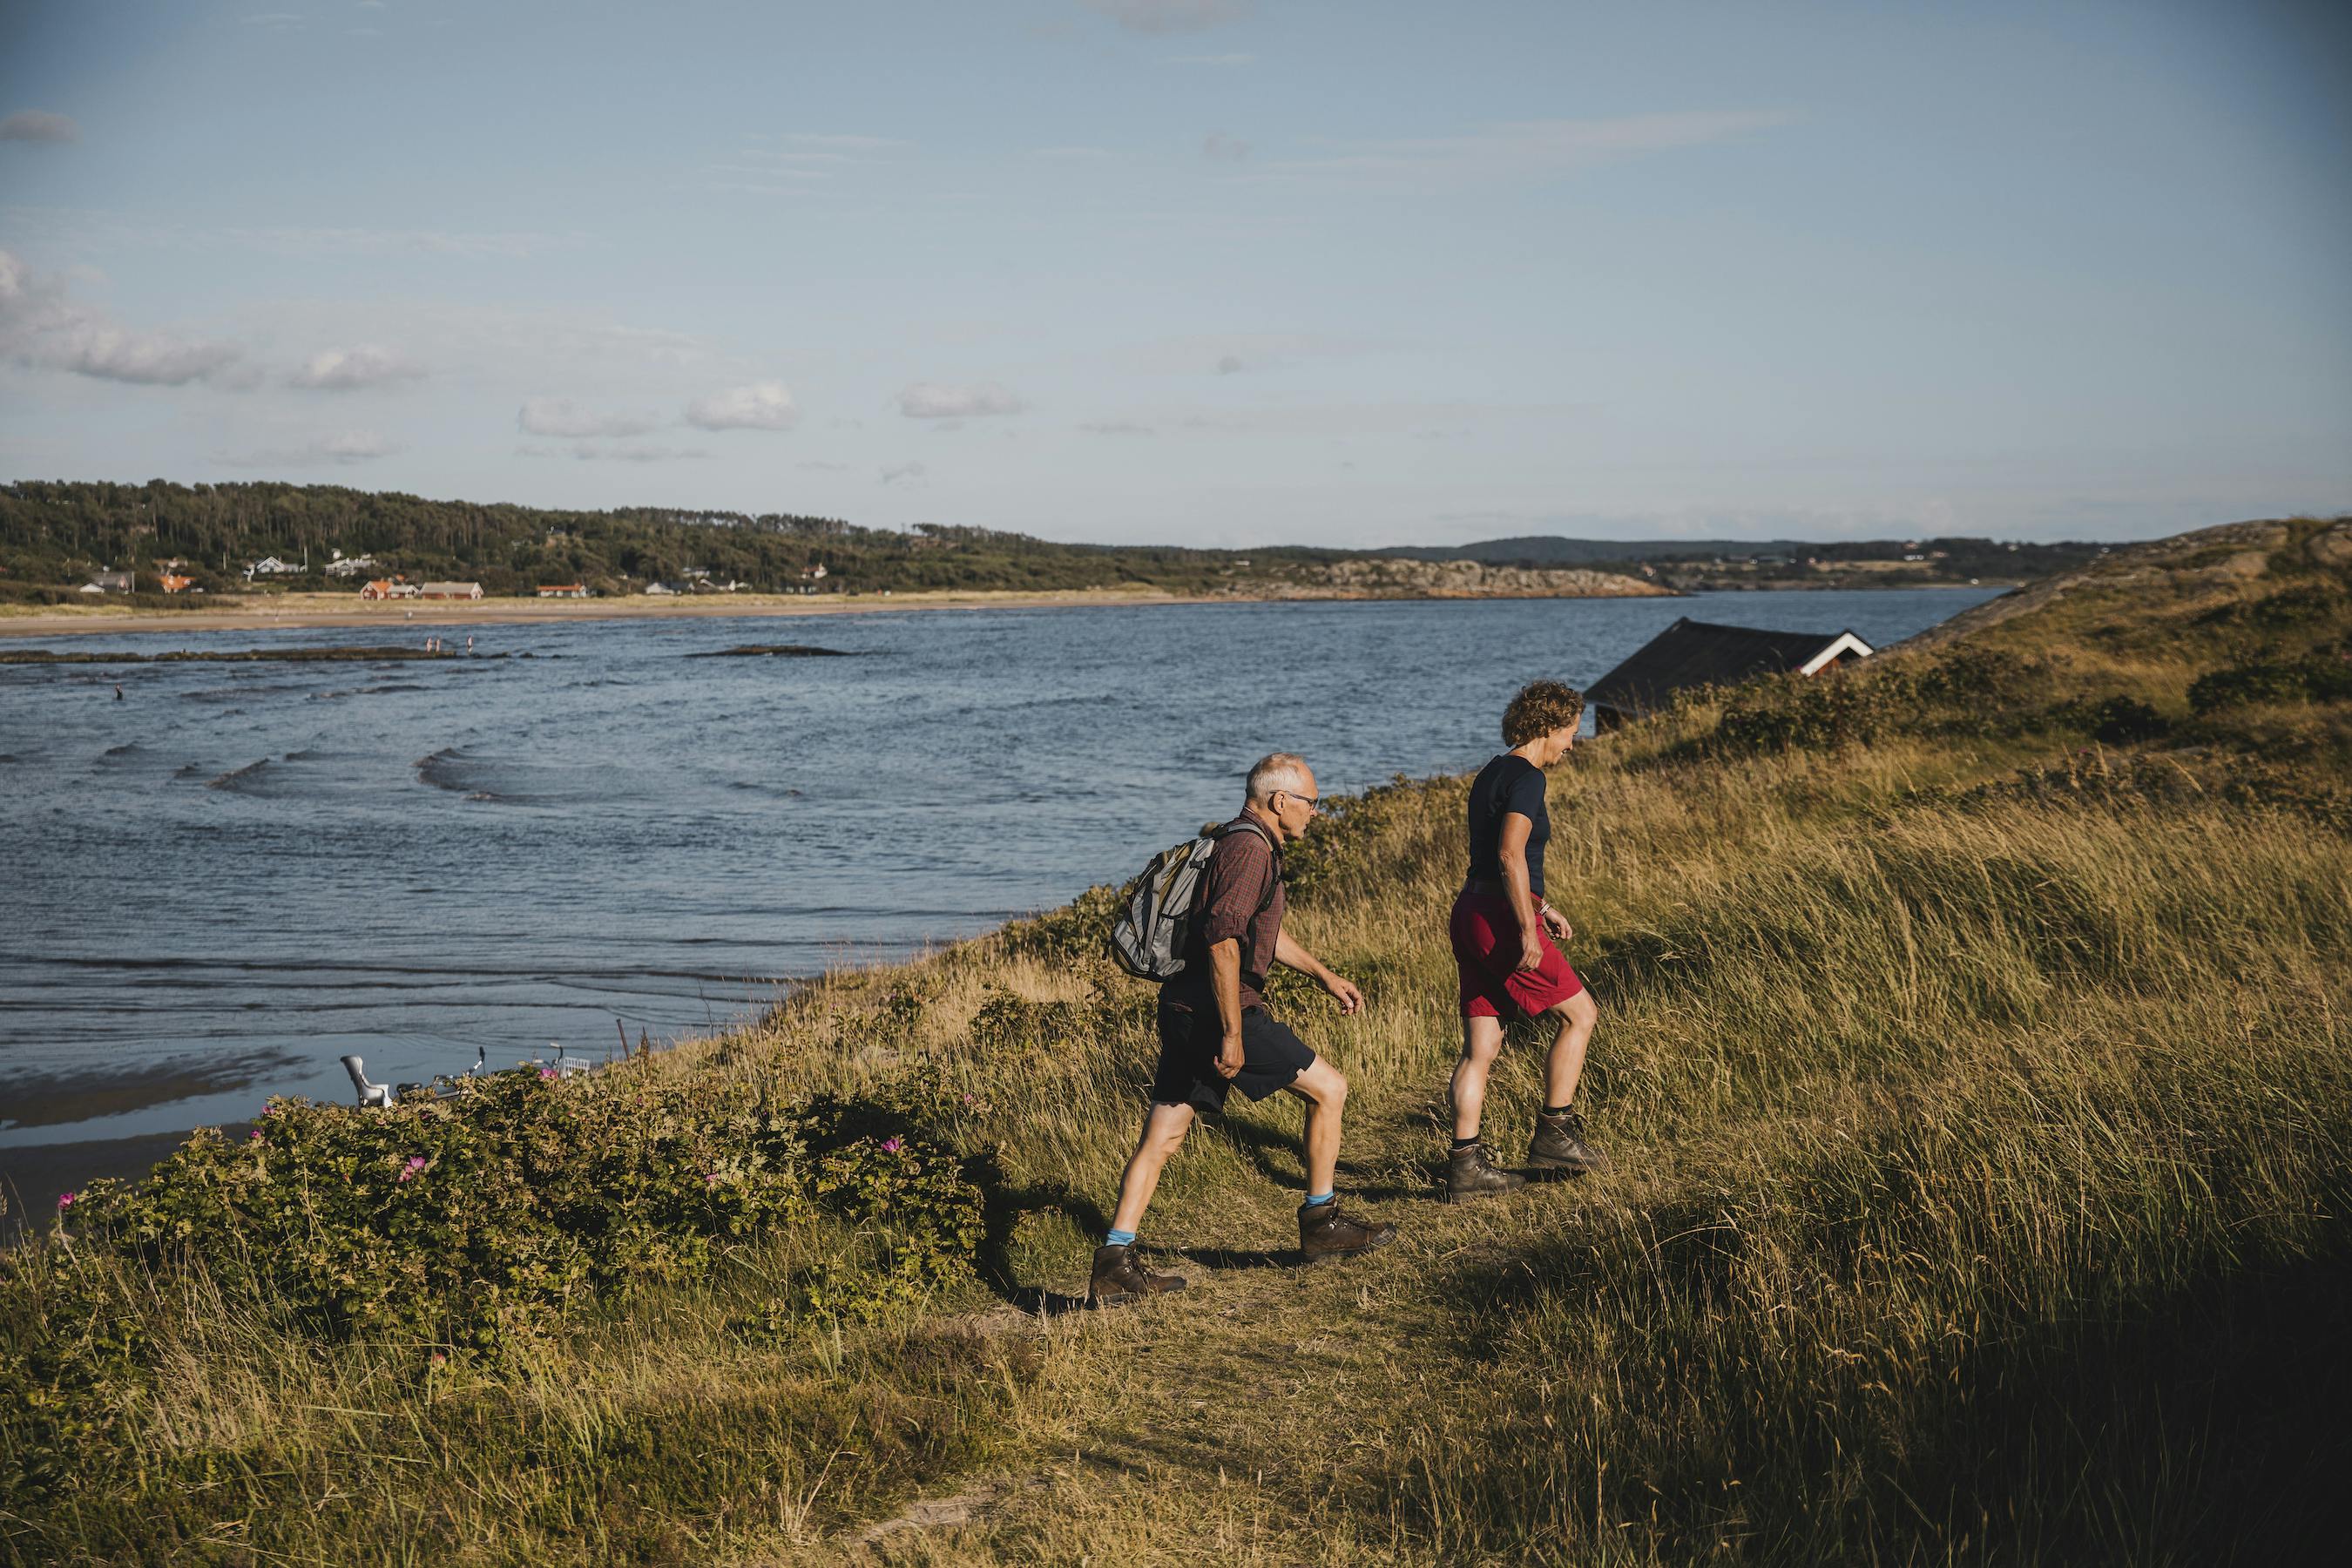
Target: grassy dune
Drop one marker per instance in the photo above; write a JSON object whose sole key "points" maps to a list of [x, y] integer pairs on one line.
{"points": [[1983, 1131]]}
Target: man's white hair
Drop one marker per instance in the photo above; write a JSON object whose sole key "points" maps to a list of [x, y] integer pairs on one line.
{"points": [[1279, 771]]}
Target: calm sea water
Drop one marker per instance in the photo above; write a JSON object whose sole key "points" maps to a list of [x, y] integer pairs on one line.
{"points": [[217, 885]]}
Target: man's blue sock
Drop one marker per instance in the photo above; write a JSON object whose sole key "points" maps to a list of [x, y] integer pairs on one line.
{"points": [[1119, 1239], [1316, 1200]]}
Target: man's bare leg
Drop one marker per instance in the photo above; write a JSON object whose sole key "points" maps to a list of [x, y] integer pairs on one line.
{"points": [[1118, 1276], [1323, 1231], [1325, 1090], [1164, 1126]]}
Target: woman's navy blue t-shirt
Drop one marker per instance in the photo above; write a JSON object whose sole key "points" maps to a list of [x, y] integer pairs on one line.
{"points": [[1510, 782]]}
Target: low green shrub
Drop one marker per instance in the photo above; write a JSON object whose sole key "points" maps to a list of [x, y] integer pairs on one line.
{"points": [[2322, 677], [473, 1227]]}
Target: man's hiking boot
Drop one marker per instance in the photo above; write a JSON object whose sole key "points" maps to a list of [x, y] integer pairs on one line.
{"points": [[1324, 1232], [1559, 1145], [1121, 1278], [1468, 1175]]}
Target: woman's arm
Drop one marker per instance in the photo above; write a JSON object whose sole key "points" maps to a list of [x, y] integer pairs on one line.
{"points": [[1512, 850]]}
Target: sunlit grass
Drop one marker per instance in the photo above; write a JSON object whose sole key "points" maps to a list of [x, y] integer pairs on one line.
{"points": [[1982, 1161]]}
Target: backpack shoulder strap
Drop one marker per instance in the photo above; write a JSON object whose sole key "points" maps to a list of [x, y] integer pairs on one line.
{"points": [[1272, 882]]}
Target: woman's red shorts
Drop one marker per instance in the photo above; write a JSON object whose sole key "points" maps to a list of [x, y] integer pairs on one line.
{"points": [[1487, 950]]}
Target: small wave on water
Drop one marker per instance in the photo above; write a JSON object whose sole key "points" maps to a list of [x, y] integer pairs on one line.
{"points": [[464, 776], [246, 780]]}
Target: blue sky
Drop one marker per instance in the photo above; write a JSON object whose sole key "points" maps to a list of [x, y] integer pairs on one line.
{"points": [[1207, 271]]}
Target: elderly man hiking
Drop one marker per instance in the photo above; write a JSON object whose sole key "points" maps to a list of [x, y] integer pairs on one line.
{"points": [[1214, 1034], [1503, 934]]}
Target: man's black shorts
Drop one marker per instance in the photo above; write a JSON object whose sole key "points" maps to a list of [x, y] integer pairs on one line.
{"points": [[1271, 1058]]}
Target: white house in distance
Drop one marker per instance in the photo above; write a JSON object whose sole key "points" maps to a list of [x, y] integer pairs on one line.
{"points": [[562, 590], [344, 566], [270, 566]]}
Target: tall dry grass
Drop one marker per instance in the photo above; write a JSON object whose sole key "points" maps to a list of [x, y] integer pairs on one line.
{"points": [[1982, 1157]]}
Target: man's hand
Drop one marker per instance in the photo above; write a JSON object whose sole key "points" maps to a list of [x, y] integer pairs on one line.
{"points": [[1344, 993], [1531, 953], [1557, 923], [1229, 1056]]}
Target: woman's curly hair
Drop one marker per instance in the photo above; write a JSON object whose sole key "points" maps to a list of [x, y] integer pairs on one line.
{"points": [[1541, 707]]}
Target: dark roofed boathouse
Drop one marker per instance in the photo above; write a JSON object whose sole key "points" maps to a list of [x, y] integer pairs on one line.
{"points": [[1693, 653]]}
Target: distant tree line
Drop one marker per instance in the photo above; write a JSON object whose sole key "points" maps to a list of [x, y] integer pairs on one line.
{"points": [[53, 534]]}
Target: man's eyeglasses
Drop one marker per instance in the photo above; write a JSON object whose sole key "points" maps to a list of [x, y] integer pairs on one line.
{"points": [[1313, 803]]}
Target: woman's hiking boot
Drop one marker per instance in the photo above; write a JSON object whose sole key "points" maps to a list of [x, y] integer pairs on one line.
{"points": [[1324, 1232], [1469, 1175], [1559, 1145], [1121, 1278]]}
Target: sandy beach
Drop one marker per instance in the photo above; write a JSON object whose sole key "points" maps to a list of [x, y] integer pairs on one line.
{"points": [[295, 611]]}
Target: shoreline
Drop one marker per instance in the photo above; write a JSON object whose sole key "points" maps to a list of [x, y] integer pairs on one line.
{"points": [[315, 611], [28, 1171]]}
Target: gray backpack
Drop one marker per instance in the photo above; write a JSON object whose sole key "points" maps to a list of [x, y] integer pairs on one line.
{"points": [[1155, 910]]}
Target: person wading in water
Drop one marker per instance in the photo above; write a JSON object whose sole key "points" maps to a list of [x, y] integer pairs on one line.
{"points": [[1504, 936]]}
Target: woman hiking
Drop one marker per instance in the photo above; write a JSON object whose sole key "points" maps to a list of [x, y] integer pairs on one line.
{"points": [[1505, 938]]}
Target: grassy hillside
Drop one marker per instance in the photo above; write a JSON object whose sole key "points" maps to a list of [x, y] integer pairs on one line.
{"points": [[1971, 1052]]}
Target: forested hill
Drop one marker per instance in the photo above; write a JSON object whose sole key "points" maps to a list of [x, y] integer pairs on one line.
{"points": [[55, 533]]}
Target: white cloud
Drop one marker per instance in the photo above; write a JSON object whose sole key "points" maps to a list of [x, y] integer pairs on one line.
{"points": [[930, 400], [1117, 427], [652, 453], [818, 466], [1223, 149], [275, 19], [1522, 149], [1228, 61], [901, 473], [762, 406], [40, 326], [561, 416], [347, 370], [1169, 15], [38, 125], [341, 449]]}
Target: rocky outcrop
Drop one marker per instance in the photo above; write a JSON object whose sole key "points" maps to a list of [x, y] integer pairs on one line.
{"points": [[1388, 578]]}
